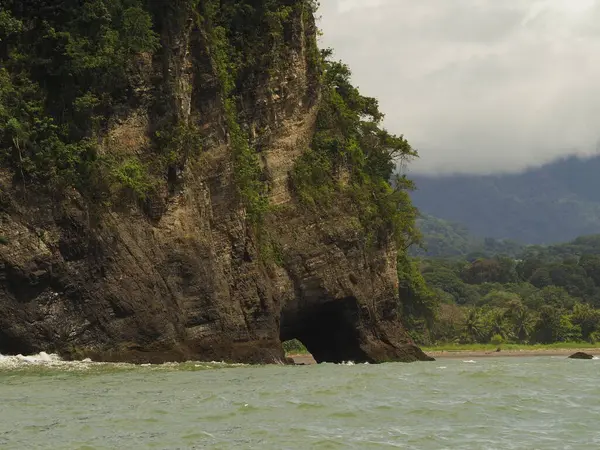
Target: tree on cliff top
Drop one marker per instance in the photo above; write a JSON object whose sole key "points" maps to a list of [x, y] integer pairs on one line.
{"points": [[67, 67], [352, 153]]}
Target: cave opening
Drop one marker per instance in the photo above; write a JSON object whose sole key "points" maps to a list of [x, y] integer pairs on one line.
{"points": [[328, 330]]}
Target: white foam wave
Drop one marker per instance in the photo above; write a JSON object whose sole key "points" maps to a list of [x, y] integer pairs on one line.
{"points": [[470, 361], [41, 359], [51, 360]]}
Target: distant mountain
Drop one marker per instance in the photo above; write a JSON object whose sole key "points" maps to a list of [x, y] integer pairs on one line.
{"points": [[553, 203]]}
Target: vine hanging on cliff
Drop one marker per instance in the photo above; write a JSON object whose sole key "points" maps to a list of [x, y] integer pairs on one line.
{"points": [[238, 47], [352, 153]]}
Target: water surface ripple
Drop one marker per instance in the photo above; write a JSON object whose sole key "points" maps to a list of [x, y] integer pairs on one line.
{"points": [[492, 403]]}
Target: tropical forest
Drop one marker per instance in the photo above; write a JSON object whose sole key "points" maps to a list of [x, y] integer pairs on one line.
{"points": [[536, 295]]}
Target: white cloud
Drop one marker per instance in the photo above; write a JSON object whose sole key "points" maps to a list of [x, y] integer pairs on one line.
{"points": [[477, 85], [349, 5]]}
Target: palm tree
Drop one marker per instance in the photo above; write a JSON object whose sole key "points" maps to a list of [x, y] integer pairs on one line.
{"points": [[473, 327], [522, 323], [497, 323]]}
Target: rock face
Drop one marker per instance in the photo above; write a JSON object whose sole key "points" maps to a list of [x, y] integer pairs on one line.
{"points": [[184, 278], [581, 355]]}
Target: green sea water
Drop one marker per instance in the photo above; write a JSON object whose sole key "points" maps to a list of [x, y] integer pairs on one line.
{"points": [[487, 403]]}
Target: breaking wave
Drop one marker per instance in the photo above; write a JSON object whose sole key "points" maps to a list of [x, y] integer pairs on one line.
{"points": [[53, 361], [40, 359]]}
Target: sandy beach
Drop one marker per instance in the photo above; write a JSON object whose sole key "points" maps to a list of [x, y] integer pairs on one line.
{"points": [[307, 359], [303, 359], [511, 353]]}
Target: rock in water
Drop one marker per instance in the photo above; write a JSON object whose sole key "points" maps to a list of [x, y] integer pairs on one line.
{"points": [[581, 355]]}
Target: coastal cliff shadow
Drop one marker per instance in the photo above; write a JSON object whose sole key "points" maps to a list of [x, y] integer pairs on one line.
{"points": [[13, 346], [329, 330]]}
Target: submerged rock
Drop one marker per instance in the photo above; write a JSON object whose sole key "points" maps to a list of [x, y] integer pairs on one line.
{"points": [[581, 355]]}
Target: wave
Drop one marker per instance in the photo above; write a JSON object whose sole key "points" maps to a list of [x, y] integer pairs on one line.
{"points": [[44, 360], [40, 359]]}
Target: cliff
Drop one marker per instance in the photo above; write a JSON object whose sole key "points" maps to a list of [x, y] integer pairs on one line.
{"points": [[160, 196]]}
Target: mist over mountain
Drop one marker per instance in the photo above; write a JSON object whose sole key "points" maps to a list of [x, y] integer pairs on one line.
{"points": [[554, 203]]}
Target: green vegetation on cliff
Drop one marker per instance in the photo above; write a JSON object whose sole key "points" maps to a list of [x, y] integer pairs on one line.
{"points": [[352, 156], [67, 68], [67, 77], [72, 69], [350, 165], [241, 53]]}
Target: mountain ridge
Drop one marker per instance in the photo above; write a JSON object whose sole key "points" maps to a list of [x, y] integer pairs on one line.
{"points": [[553, 203]]}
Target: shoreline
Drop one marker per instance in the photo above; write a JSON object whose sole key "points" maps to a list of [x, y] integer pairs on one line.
{"points": [[511, 353], [307, 359], [302, 359]]}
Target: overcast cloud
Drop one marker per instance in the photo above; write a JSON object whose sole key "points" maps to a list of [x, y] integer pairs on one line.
{"points": [[476, 85]]}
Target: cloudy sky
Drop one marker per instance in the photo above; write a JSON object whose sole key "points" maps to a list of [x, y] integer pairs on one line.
{"points": [[476, 85]]}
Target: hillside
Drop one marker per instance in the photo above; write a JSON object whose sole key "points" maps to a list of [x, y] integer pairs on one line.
{"points": [[553, 203], [442, 238]]}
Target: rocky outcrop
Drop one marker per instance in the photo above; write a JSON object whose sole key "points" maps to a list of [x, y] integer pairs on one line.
{"points": [[581, 355], [185, 278]]}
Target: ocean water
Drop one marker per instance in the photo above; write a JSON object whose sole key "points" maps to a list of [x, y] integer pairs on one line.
{"points": [[487, 403]]}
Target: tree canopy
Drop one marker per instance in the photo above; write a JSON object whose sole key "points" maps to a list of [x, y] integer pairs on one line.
{"points": [[548, 294]]}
